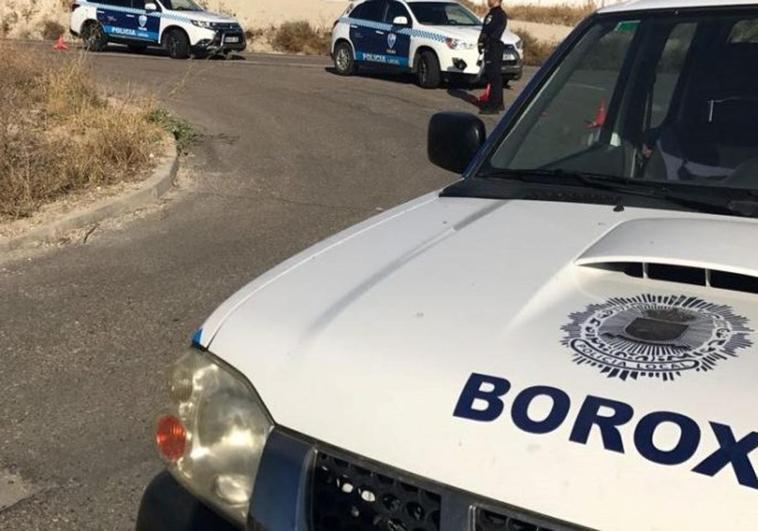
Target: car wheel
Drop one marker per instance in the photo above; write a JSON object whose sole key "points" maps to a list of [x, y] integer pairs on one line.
{"points": [[177, 44], [94, 37], [344, 62], [428, 72], [136, 48]]}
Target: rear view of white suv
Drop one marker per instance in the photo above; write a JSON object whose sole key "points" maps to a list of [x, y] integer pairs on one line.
{"points": [[180, 26], [434, 39]]}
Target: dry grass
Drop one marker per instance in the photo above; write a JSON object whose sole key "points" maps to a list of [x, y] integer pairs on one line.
{"points": [[536, 51], [52, 29], [300, 37], [564, 15], [479, 9], [58, 135]]}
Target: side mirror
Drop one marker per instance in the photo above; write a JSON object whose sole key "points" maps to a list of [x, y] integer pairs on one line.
{"points": [[150, 6], [400, 21], [453, 139]]}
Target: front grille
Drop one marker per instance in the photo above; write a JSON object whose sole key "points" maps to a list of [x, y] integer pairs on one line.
{"points": [[227, 26], [510, 49], [486, 520], [351, 497]]}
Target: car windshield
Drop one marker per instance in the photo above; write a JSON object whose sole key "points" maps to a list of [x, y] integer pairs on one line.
{"points": [[655, 100], [443, 14], [181, 5]]}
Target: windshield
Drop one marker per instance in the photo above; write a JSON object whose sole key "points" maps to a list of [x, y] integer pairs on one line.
{"points": [[443, 14], [181, 5], [661, 100]]}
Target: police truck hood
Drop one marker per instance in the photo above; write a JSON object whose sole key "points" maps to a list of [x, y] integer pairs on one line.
{"points": [[481, 343]]}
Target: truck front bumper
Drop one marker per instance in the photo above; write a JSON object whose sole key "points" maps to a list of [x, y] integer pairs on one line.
{"points": [[167, 506], [297, 488], [222, 42]]}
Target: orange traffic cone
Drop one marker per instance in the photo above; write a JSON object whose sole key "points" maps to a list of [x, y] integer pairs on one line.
{"points": [[600, 116], [60, 44], [485, 96]]}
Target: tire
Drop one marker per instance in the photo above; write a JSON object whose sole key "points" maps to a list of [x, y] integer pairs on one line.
{"points": [[344, 62], [136, 48], [428, 74], [177, 44], [94, 37]]}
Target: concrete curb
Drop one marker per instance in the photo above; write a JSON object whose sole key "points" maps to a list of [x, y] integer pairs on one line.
{"points": [[149, 191]]}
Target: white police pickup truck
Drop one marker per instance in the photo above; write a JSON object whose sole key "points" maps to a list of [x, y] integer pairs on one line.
{"points": [[433, 39], [566, 338], [182, 27]]}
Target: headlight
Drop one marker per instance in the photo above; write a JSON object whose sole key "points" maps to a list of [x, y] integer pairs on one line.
{"points": [[213, 437], [203, 24], [455, 44], [519, 45]]}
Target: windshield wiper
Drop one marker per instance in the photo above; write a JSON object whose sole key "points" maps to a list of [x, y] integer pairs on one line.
{"points": [[711, 199], [612, 183]]}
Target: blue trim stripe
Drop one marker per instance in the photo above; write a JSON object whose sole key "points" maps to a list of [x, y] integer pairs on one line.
{"points": [[197, 338], [381, 58], [126, 32], [421, 34]]}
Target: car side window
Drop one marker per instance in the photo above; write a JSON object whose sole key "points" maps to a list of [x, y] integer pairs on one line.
{"points": [[117, 3], [372, 10], [138, 4], [394, 10]]}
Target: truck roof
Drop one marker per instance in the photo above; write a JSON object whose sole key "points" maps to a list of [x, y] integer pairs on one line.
{"points": [[642, 5]]}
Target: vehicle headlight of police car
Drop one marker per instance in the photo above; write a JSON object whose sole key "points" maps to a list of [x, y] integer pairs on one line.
{"points": [[566, 338]]}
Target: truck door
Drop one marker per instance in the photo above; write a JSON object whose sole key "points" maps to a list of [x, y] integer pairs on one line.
{"points": [[398, 42], [146, 24], [115, 17], [368, 31]]}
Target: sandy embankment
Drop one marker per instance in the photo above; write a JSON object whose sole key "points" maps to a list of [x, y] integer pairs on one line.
{"points": [[26, 18]]}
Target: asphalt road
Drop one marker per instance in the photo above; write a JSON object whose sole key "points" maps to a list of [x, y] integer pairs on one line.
{"points": [[290, 154]]}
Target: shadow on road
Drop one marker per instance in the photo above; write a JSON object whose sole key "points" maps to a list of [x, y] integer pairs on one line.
{"points": [[160, 52], [464, 95]]}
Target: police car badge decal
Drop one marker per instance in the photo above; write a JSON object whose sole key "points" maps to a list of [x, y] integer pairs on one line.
{"points": [[658, 336]]}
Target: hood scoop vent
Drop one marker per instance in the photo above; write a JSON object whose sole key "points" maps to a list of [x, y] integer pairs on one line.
{"points": [[708, 252], [698, 276]]}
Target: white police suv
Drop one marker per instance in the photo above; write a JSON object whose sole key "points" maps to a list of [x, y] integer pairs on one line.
{"points": [[182, 27], [566, 338], [433, 39]]}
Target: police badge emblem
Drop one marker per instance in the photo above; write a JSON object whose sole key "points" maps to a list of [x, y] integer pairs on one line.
{"points": [[391, 39], [142, 21], [657, 336]]}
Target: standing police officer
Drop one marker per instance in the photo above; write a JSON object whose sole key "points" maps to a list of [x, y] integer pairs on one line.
{"points": [[490, 41]]}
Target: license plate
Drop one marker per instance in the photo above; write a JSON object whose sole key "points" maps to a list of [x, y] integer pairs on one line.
{"points": [[509, 57], [232, 39]]}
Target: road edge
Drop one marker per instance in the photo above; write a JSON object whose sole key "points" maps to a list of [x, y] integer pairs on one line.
{"points": [[149, 191]]}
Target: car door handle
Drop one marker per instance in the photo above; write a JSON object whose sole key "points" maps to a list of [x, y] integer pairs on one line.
{"points": [[353, 26], [379, 32], [129, 16]]}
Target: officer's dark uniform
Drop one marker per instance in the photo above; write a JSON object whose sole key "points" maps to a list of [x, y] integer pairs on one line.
{"points": [[490, 41]]}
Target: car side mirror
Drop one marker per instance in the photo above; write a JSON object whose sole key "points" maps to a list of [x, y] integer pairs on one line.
{"points": [[150, 6], [453, 139], [400, 21]]}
